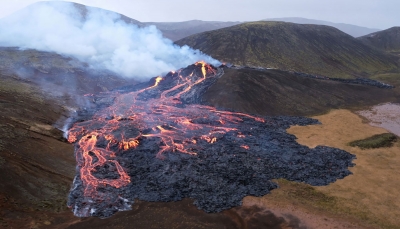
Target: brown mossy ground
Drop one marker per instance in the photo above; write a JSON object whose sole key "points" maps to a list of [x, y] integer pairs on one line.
{"points": [[316, 209], [370, 194]]}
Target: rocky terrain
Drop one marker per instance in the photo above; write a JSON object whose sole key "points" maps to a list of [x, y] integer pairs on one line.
{"points": [[176, 148]]}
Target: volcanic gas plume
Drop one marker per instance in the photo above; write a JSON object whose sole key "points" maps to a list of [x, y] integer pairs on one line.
{"points": [[101, 38], [158, 142]]}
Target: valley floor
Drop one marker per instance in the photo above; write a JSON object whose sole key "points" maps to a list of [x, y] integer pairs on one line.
{"points": [[366, 199]]}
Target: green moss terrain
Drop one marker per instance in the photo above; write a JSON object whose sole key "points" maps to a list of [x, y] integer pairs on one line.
{"points": [[376, 141], [314, 49], [387, 40]]}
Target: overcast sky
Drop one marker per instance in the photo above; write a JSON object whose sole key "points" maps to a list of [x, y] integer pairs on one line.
{"points": [[380, 14]]}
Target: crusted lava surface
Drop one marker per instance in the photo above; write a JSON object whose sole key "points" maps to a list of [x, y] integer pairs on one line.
{"points": [[158, 142]]}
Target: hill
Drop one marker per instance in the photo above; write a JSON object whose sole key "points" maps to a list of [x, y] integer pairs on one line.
{"points": [[353, 30], [313, 49], [38, 92], [388, 40], [36, 164], [57, 74], [178, 30], [276, 92], [82, 9]]}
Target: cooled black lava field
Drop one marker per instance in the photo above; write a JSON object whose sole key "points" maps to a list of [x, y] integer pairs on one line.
{"points": [[158, 142]]}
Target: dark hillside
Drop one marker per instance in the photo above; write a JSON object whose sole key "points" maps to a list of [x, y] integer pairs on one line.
{"points": [[56, 73], [387, 40], [36, 165], [314, 49], [275, 92]]}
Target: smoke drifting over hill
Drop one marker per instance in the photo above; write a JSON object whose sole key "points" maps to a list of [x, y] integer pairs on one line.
{"points": [[98, 37]]}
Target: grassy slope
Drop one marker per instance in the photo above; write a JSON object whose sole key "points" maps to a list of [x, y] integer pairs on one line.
{"points": [[313, 49], [387, 40]]}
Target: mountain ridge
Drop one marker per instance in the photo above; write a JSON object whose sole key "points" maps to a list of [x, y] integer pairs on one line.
{"points": [[313, 49], [178, 30], [353, 30], [83, 9], [387, 40]]}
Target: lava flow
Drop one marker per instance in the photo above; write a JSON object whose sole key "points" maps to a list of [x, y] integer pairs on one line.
{"points": [[179, 128], [158, 143]]}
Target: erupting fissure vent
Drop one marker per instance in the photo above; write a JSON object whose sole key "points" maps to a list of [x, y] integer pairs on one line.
{"points": [[158, 143]]}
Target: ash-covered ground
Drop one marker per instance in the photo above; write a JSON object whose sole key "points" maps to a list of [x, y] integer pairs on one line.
{"points": [[157, 142]]}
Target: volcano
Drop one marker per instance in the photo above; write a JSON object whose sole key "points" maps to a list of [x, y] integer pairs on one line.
{"points": [[159, 141]]}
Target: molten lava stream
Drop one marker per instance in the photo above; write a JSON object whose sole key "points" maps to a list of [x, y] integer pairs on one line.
{"points": [[178, 128], [87, 145]]}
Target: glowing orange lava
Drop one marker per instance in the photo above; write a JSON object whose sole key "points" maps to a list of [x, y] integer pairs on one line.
{"points": [[134, 118], [158, 79]]}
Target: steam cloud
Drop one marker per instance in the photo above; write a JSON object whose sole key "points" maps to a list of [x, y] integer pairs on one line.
{"points": [[98, 37]]}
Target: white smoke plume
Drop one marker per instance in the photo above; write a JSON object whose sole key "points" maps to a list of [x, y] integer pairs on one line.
{"points": [[100, 38]]}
